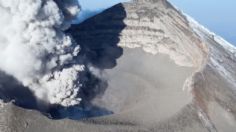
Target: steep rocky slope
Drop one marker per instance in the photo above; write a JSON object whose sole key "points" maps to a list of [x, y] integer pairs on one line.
{"points": [[165, 73]]}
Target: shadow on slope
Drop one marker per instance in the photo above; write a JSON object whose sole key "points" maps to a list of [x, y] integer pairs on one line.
{"points": [[98, 38], [12, 90]]}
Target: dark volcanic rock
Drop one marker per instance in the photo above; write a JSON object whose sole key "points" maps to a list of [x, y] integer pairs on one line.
{"points": [[192, 58]]}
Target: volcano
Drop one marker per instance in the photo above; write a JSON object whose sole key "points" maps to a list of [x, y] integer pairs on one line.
{"points": [[163, 72]]}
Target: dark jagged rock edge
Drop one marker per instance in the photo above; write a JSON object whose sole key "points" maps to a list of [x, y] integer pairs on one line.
{"points": [[204, 91]]}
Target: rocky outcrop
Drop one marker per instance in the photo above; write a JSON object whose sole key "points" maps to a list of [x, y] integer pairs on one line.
{"points": [[214, 85], [157, 28]]}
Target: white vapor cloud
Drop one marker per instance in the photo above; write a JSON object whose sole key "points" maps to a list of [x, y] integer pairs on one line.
{"points": [[35, 50]]}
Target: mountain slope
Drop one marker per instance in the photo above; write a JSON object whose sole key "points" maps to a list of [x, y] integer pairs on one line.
{"points": [[165, 72]]}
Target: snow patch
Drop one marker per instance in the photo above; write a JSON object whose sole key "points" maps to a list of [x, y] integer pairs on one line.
{"points": [[198, 28]]}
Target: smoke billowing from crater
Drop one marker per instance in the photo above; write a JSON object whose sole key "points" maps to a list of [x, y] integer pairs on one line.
{"points": [[36, 51]]}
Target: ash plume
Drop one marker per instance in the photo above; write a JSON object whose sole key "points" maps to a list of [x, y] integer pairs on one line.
{"points": [[36, 51]]}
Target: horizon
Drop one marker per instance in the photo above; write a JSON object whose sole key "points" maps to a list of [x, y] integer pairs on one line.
{"points": [[218, 21]]}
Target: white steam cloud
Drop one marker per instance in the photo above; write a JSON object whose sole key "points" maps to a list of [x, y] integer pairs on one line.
{"points": [[34, 49]]}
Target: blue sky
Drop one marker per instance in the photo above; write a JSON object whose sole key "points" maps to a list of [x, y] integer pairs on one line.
{"points": [[98, 4], [217, 15]]}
